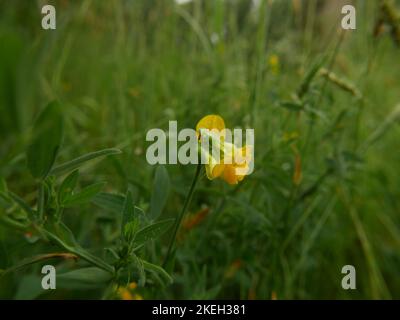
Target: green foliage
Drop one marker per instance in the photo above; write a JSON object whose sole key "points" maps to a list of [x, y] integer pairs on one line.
{"points": [[324, 192], [152, 231], [84, 279], [67, 187], [46, 141], [109, 201], [76, 163], [83, 196], [160, 192]]}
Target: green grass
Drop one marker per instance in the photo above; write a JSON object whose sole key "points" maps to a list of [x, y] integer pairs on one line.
{"points": [[120, 68]]}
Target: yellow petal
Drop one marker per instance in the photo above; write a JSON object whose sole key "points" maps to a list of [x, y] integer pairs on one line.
{"points": [[214, 170], [217, 170], [132, 285], [125, 294], [230, 174], [210, 122]]}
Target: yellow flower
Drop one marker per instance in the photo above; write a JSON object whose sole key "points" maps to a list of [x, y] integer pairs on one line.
{"points": [[274, 64], [132, 285], [211, 122], [125, 293], [232, 163]]}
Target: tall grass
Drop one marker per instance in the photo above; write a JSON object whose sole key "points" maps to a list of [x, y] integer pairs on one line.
{"points": [[324, 193]]}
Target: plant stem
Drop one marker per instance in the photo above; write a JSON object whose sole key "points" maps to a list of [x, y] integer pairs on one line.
{"points": [[182, 213], [12, 223]]}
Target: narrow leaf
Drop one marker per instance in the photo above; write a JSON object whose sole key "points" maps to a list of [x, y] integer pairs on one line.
{"points": [[157, 270], [79, 251], [39, 258], [47, 137], [67, 186], [84, 278], [109, 201], [129, 224], [128, 211], [308, 78], [140, 268], [76, 163], [85, 195], [21, 202], [152, 231], [160, 192]]}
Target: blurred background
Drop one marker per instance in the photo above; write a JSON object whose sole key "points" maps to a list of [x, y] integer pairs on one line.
{"points": [[324, 103]]}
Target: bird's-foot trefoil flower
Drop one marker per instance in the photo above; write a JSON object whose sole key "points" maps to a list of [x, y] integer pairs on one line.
{"points": [[222, 158]]}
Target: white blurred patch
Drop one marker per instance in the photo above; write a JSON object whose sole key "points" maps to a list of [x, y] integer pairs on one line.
{"points": [[182, 1]]}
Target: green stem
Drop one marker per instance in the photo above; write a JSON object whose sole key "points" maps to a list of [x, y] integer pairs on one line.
{"points": [[80, 252], [12, 223], [182, 214]]}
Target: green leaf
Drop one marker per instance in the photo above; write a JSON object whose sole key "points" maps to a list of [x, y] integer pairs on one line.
{"points": [[84, 278], [128, 213], [76, 163], [47, 137], [138, 263], [79, 251], [29, 287], [158, 271], [308, 78], [160, 192], [132, 218], [68, 186], [23, 205], [85, 195], [152, 231], [130, 229], [63, 232], [109, 201], [39, 258]]}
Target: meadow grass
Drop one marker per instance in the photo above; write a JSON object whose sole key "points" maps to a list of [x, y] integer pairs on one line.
{"points": [[324, 104]]}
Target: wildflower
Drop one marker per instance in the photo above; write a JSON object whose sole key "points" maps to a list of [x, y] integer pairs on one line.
{"points": [[273, 62], [235, 163], [230, 162], [132, 285], [125, 293]]}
